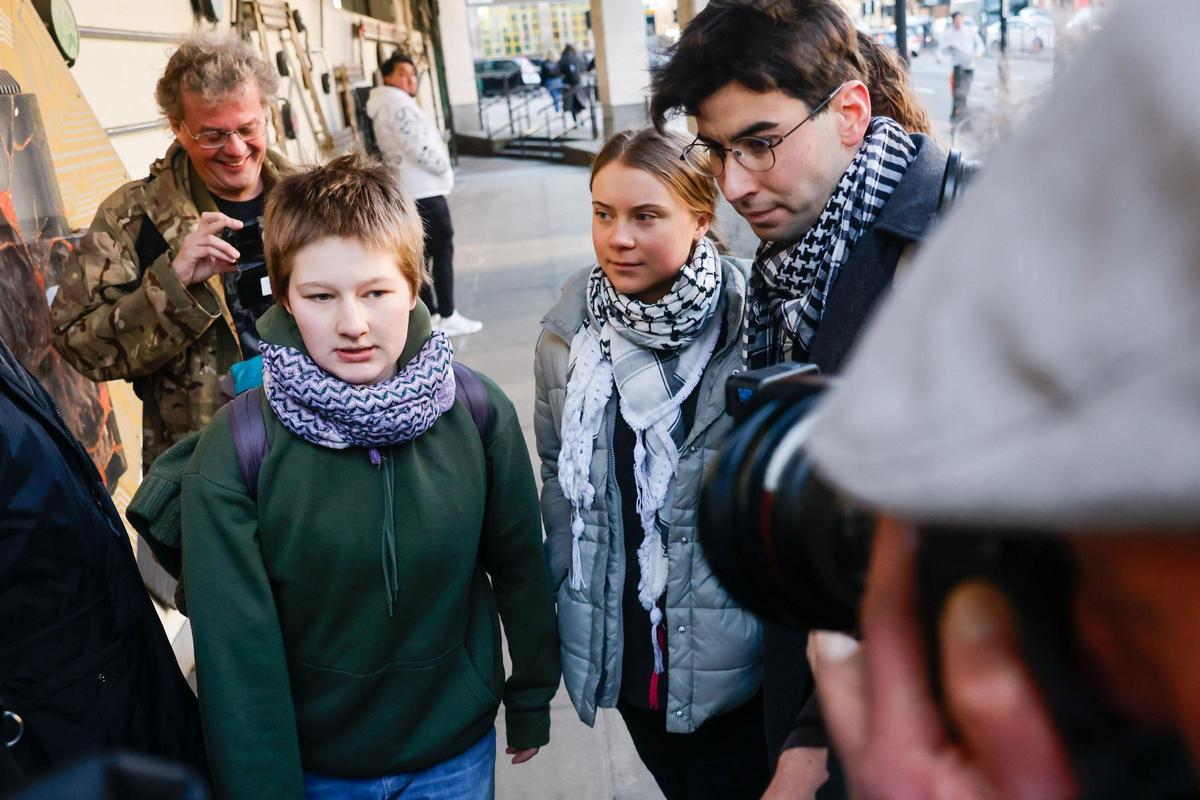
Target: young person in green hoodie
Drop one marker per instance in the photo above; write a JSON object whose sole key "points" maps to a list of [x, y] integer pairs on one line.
{"points": [[347, 633]]}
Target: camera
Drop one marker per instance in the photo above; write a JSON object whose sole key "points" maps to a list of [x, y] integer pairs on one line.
{"points": [[790, 548], [782, 542], [253, 284]]}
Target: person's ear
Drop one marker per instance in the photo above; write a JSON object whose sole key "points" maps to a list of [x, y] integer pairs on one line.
{"points": [[703, 223], [852, 106]]}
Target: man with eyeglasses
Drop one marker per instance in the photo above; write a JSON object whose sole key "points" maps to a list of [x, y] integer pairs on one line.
{"points": [[814, 137], [151, 295]]}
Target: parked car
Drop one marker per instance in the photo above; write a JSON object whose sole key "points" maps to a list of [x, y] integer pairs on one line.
{"points": [[1025, 35], [1036, 15], [498, 75], [658, 50], [887, 38]]}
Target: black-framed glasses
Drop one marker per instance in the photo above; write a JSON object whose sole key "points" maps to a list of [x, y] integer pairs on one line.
{"points": [[211, 140], [755, 153]]}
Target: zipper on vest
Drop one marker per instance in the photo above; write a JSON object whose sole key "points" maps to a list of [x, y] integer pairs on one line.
{"points": [[612, 475]]}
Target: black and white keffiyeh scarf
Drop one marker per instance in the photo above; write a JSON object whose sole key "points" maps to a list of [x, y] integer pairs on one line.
{"points": [[655, 355], [790, 283]]}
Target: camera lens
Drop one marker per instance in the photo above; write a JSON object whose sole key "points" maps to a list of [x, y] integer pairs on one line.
{"points": [[782, 543]]}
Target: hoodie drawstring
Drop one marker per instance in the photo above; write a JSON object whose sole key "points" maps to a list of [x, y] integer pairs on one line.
{"points": [[391, 567]]}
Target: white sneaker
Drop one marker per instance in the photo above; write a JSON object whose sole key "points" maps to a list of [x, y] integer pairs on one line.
{"points": [[458, 325], [435, 321]]}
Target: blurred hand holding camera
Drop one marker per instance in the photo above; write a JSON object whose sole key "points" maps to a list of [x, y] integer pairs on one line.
{"points": [[204, 253], [885, 721]]}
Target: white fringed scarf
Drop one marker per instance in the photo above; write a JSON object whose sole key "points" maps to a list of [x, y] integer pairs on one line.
{"points": [[655, 355]]}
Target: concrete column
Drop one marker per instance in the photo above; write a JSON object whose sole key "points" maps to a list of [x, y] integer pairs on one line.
{"points": [[688, 9], [546, 22], [621, 66], [460, 64]]}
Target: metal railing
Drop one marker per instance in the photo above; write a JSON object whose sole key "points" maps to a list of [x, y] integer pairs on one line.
{"points": [[526, 117]]}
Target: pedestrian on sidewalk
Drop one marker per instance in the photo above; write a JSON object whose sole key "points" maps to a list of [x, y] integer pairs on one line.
{"points": [[965, 47], [344, 603], [631, 368], [814, 136], [413, 148], [572, 69], [552, 80]]}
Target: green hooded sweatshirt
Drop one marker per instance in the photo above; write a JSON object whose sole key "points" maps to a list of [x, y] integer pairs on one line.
{"points": [[301, 667]]}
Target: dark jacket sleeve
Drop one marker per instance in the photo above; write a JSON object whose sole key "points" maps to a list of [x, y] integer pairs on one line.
{"points": [[810, 727], [512, 556], [113, 320], [793, 718]]}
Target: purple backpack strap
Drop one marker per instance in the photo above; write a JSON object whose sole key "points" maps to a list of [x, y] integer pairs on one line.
{"points": [[249, 436], [469, 391]]}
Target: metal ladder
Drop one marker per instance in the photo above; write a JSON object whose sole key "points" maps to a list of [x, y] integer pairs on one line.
{"points": [[277, 16]]}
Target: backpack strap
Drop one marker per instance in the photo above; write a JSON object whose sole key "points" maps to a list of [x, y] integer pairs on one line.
{"points": [[249, 430], [469, 391], [249, 436]]}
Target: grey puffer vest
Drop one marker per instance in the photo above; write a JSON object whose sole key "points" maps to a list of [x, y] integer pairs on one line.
{"points": [[713, 646]]}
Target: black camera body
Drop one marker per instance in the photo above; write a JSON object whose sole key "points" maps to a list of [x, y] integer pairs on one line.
{"points": [[253, 284], [793, 550], [783, 543]]}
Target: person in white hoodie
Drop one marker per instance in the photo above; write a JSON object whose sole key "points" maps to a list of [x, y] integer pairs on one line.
{"points": [[412, 146], [965, 47]]}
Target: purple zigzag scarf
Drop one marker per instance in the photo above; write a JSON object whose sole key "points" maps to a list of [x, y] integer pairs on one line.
{"points": [[329, 412]]}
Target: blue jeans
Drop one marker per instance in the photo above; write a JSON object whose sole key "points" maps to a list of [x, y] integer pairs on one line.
{"points": [[554, 86], [471, 775]]}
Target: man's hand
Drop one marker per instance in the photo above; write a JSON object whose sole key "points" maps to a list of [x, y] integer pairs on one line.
{"points": [[203, 252], [885, 723], [521, 756], [798, 775]]}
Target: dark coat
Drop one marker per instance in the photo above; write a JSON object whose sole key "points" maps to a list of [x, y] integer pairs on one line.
{"points": [[862, 282], [572, 69], [84, 659]]}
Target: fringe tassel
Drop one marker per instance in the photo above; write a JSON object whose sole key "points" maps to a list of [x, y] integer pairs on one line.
{"points": [[656, 616]]}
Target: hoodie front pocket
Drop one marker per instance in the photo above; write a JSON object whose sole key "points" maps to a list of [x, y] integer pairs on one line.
{"points": [[397, 715]]}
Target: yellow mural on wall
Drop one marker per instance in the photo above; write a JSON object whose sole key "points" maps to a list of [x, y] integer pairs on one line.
{"points": [[60, 166]]}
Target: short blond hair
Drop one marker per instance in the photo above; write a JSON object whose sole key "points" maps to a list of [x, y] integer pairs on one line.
{"points": [[352, 197], [212, 66]]}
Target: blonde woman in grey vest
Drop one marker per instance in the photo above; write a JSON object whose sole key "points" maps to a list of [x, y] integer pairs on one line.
{"points": [[631, 368]]}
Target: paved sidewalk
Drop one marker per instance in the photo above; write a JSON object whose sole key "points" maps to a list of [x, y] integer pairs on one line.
{"points": [[520, 229]]}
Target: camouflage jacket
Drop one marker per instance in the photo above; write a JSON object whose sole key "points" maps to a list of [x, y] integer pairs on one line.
{"points": [[121, 312]]}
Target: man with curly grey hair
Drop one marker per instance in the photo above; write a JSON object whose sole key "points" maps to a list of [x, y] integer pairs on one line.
{"points": [[151, 294]]}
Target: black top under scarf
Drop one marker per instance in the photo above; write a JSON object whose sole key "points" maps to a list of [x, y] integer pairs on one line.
{"points": [[246, 211]]}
